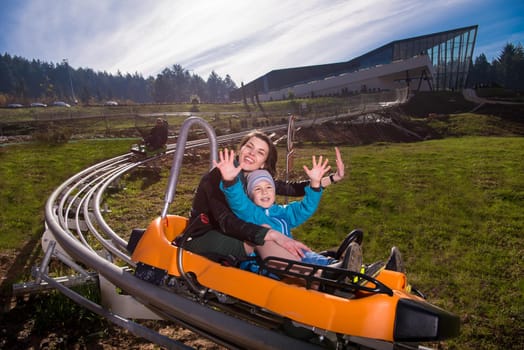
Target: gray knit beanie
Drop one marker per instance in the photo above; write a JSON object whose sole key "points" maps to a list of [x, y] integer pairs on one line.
{"points": [[254, 177]]}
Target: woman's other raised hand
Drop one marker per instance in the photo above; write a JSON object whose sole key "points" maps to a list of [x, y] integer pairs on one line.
{"points": [[226, 164]]}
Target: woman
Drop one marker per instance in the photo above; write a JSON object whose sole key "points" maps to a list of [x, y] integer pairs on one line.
{"points": [[214, 230]]}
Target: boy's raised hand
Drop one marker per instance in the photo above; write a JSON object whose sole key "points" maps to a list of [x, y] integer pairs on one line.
{"points": [[226, 164], [317, 170]]}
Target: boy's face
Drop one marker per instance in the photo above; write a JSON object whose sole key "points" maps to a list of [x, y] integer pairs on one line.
{"points": [[263, 194]]}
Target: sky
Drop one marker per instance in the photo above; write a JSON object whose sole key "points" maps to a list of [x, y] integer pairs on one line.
{"points": [[243, 38]]}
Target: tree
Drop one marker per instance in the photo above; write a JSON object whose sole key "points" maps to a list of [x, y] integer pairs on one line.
{"points": [[480, 71], [6, 75], [197, 86], [214, 83], [161, 87], [508, 73]]}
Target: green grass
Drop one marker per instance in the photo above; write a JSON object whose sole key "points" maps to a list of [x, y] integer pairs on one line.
{"points": [[464, 124], [120, 116], [28, 175], [452, 206]]}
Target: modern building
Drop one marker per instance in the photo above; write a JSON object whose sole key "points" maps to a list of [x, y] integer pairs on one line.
{"points": [[438, 61]]}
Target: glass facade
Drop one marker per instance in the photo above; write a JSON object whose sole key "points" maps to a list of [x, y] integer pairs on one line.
{"points": [[450, 52]]}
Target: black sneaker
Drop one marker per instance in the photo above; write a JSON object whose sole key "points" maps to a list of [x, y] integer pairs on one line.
{"points": [[372, 270], [352, 260], [354, 236], [394, 262]]}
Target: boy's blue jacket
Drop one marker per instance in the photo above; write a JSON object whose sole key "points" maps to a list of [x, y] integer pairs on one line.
{"points": [[281, 218]]}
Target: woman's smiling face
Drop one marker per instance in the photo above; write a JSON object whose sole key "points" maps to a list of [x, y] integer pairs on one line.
{"points": [[253, 154]]}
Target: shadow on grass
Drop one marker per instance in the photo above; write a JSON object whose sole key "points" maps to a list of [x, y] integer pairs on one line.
{"points": [[27, 257], [149, 175]]}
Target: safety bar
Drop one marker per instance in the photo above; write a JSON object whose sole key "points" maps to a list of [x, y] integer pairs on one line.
{"points": [[179, 155], [173, 180]]}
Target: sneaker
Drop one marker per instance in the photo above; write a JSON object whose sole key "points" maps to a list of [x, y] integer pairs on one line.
{"points": [[395, 262], [352, 260], [354, 236], [372, 270]]}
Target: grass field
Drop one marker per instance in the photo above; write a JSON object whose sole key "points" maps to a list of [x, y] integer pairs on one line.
{"points": [[28, 175], [452, 206], [317, 105]]}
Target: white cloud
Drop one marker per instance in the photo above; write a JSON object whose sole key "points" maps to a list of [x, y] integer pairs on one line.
{"points": [[243, 38]]}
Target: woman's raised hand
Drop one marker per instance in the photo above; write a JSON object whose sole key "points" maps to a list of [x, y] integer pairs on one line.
{"points": [[226, 165], [339, 174]]}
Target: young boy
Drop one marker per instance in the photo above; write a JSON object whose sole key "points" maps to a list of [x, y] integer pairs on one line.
{"points": [[260, 208]]}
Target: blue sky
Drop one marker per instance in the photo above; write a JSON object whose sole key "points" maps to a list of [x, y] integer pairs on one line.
{"points": [[242, 38]]}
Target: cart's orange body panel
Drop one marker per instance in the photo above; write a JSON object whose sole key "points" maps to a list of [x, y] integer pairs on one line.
{"points": [[372, 315]]}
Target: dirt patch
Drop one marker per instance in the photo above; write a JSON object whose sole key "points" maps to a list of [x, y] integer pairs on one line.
{"points": [[21, 328], [385, 126]]}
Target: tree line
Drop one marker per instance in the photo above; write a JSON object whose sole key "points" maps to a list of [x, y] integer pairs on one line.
{"points": [[505, 71], [25, 81]]}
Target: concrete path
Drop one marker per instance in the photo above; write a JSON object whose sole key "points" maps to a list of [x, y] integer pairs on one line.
{"points": [[471, 95]]}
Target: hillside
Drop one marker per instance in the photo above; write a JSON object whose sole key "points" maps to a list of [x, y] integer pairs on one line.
{"points": [[425, 116]]}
